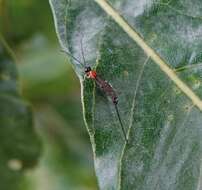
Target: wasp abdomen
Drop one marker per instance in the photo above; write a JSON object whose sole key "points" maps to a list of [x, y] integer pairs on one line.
{"points": [[107, 89]]}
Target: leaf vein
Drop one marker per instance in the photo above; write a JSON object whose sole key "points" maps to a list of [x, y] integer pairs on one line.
{"points": [[132, 113], [179, 11], [150, 52]]}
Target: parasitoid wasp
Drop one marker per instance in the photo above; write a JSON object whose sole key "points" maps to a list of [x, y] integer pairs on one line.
{"points": [[102, 84]]}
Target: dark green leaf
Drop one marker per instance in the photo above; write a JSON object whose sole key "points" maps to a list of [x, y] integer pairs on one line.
{"points": [[42, 83], [163, 125], [64, 163], [19, 145]]}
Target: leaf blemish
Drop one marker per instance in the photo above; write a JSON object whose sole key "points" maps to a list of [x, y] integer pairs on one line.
{"points": [[196, 84], [5, 77], [125, 73], [170, 117], [176, 90], [15, 164]]}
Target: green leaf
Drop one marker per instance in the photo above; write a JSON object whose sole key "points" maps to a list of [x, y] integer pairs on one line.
{"points": [[39, 82], [64, 163], [13, 12], [163, 124], [19, 144]]}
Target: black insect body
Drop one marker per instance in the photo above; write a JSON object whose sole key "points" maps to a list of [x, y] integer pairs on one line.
{"points": [[108, 90]]}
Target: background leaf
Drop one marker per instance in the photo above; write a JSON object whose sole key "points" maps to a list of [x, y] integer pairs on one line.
{"points": [[164, 127], [50, 84], [19, 144], [51, 87]]}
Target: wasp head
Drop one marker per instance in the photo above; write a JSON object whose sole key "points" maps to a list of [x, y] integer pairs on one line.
{"points": [[87, 69]]}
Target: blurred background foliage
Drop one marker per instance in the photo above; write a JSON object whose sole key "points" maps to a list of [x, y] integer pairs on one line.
{"points": [[48, 82]]}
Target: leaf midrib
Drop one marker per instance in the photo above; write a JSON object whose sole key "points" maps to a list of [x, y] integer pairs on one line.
{"points": [[150, 52]]}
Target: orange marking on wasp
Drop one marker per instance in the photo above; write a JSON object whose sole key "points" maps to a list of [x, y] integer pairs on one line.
{"points": [[91, 74]]}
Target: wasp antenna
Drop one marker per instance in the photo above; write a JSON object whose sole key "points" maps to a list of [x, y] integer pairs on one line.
{"points": [[82, 51], [77, 60], [120, 121]]}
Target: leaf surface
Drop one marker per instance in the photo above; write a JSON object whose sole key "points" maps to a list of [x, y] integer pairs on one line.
{"points": [[163, 125]]}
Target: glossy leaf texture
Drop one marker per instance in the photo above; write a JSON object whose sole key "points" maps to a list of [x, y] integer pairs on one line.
{"points": [[164, 127], [19, 144]]}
